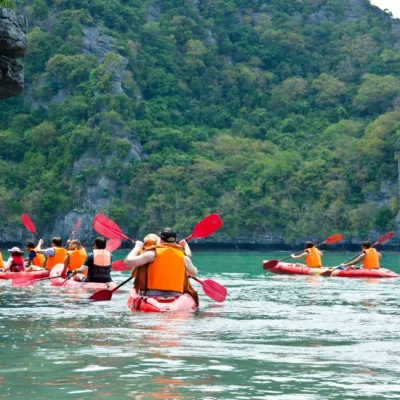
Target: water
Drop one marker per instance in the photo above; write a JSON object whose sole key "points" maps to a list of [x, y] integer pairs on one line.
{"points": [[275, 337]]}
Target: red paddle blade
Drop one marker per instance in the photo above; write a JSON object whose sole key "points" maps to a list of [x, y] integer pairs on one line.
{"points": [[270, 264], [77, 225], [28, 223], [384, 238], [214, 290], [120, 266], [206, 227], [107, 227], [334, 238], [113, 244], [102, 295]]}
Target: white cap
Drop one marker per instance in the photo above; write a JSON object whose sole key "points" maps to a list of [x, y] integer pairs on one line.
{"points": [[15, 250]]}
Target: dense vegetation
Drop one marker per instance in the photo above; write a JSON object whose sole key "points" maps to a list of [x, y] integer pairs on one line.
{"points": [[282, 116]]}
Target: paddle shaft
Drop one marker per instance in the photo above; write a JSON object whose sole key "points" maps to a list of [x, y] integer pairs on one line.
{"points": [[300, 252]]}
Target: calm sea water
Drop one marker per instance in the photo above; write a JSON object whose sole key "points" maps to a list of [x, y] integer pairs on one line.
{"points": [[275, 337]]}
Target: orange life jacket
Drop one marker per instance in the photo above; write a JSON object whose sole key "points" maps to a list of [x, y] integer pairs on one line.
{"points": [[76, 259], [1, 261], [313, 259], [371, 260], [38, 260], [168, 271], [59, 255]]}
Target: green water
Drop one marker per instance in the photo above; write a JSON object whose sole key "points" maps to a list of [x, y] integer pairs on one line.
{"points": [[275, 337]]}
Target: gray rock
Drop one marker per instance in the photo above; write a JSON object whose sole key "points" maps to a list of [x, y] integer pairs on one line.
{"points": [[13, 29], [97, 43], [11, 77]]}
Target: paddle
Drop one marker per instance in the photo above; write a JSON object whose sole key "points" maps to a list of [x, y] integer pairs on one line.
{"points": [[76, 227], [108, 228], [330, 240], [120, 266], [29, 225], [113, 244], [205, 227], [213, 289], [382, 239], [27, 281]]}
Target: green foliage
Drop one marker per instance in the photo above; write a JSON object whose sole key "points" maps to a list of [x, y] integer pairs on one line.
{"points": [[282, 115], [6, 3]]}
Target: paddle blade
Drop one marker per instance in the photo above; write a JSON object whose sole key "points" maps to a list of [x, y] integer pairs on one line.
{"points": [[107, 227], [206, 227], [120, 266], [77, 225], [102, 295], [28, 224], [113, 244], [213, 289], [334, 238], [384, 238], [270, 264]]}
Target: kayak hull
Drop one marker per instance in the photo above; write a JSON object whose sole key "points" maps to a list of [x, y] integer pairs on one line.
{"points": [[57, 270], [18, 275], [350, 272], [183, 303]]}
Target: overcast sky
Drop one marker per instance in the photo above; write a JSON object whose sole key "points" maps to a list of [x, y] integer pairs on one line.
{"points": [[391, 5]]}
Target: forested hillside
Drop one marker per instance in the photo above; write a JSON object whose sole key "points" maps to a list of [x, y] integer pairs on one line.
{"points": [[283, 116]]}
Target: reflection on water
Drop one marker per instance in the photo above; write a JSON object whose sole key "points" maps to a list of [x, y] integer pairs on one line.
{"points": [[281, 337]]}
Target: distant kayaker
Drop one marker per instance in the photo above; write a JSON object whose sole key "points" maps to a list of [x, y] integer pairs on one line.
{"points": [[76, 256], [168, 266], [15, 263], [55, 254], [34, 260], [1, 261], [369, 257], [97, 264], [311, 255]]}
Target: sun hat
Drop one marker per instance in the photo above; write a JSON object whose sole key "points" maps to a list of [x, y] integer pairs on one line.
{"points": [[15, 250]]}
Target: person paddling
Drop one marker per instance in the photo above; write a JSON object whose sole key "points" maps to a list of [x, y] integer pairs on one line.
{"points": [[55, 254], [168, 266], [311, 255], [369, 257], [75, 258], [34, 261], [16, 261], [97, 264]]}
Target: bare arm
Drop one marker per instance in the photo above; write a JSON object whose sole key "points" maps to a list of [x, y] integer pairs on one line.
{"points": [[66, 262], [190, 268], [356, 261], [183, 243], [134, 259], [304, 254]]}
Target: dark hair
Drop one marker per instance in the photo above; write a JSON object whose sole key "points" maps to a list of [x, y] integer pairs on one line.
{"points": [[366, 244], [57, 241], [168, 235], [100, 242], [309, 245], [30, 244]]}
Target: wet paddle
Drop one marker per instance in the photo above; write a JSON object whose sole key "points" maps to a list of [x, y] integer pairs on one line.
{"points": [[120, 266], [29, 224], [330, 240], [382, 239], [205, 227], [113, 244], [76, 227], [213, 289], [109, 228], [27, 281]]}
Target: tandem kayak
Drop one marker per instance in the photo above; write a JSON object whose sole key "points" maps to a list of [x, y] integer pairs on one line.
{"points": [[350, 272], [183, 303], [17, 275], [57, 270]]}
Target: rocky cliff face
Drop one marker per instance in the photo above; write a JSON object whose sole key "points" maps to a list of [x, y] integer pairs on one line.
{"points": [[13, 42]]}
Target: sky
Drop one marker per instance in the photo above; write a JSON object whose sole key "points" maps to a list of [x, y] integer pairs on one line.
{"points": [[391, 5]]}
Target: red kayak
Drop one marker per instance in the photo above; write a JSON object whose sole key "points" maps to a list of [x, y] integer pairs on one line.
{"points": [[57, 270], [183, 303], [350, 272], [17, 275]]}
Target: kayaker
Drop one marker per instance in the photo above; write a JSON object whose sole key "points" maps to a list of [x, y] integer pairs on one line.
{"points": [[34, 261], [168, 266], [369, 257], [311, 255], [76, 257], [15, 263], [97, 264], [1, 261], [55, 254]]}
